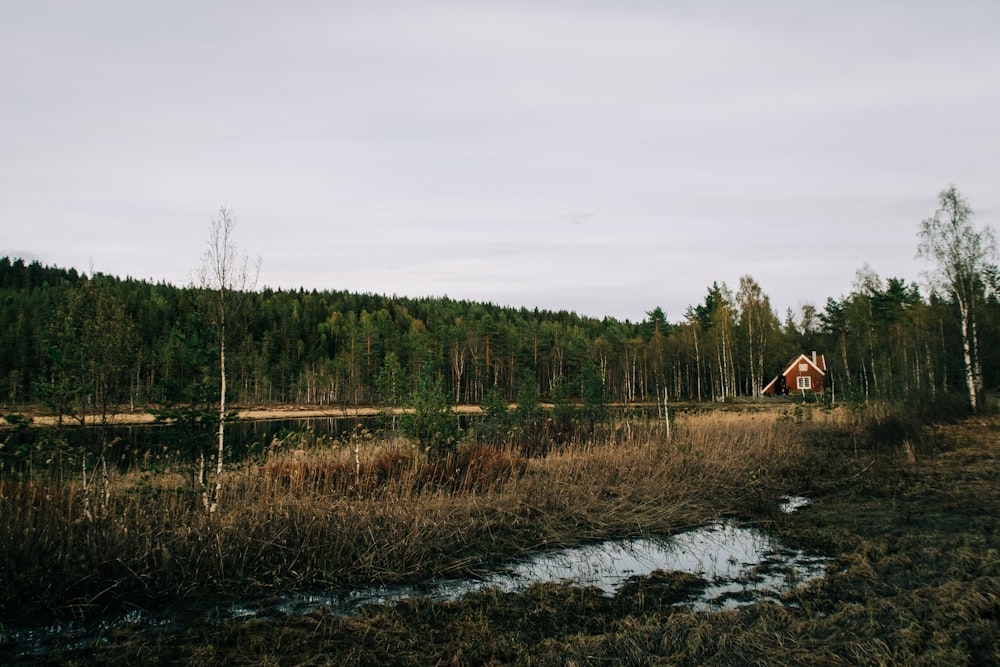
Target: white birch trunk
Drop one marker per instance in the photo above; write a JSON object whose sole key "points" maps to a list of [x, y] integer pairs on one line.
{"points": [[967, 354]]}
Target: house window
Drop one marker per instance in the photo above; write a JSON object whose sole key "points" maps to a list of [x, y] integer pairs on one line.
{"points": [[805, 382], [803, 368]]}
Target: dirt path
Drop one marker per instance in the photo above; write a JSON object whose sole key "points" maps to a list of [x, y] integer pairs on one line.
{"points": [[250, 414]]}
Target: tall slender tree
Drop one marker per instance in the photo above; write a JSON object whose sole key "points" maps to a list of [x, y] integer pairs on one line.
{"points": [[108, 341], [758, 324], [963, 259], [226, 277]]}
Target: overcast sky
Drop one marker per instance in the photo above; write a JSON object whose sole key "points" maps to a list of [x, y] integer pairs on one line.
{"points": [[605, 157]]}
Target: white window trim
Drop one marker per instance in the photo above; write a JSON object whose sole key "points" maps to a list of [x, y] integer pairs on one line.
{"points": [[804, 382]]}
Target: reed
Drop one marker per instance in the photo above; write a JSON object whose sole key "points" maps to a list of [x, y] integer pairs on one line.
{"points": [[333, 516], [912, 528]]}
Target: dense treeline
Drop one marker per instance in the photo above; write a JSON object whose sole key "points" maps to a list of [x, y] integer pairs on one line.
{"points": [[88, 344]]}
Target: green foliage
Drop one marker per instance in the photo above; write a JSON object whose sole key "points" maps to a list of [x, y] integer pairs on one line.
{"points": [[563, 409], [883, 341], [430, 421], [528, 411], [704, 313], [594, 394], [390, 382], [17, 420], [965, 267], [655, 324], [192, 430], [495, 425]]}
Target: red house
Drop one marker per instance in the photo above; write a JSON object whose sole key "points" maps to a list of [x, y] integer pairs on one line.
{"points": [[803, 374]]}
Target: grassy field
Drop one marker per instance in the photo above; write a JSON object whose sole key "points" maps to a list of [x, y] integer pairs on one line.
{"points": [[909, 514]]}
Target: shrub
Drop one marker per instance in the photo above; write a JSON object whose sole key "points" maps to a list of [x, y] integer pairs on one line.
{"points": [[431, 422]]}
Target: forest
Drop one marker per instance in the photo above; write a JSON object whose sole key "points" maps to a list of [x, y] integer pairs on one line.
{"points": [[108, 534], [82, 345], [90, 345]]}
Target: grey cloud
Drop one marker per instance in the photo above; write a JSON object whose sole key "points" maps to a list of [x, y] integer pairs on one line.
{"points": [[447, 146]]}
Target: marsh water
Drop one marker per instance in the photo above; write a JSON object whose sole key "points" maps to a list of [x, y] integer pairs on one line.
{"points": [[739, 564], [131, 445]]}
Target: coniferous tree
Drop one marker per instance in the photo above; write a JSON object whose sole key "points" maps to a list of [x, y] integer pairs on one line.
{"points": [[496, 422], [430, 421]]}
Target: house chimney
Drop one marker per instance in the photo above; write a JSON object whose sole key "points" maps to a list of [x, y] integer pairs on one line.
{"points": [[814, 358]]}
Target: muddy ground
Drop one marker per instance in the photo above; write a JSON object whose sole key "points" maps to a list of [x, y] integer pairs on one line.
{"points": [[913, 527]]}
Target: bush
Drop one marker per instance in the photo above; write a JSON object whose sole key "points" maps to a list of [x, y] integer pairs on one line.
{"points": [[496, 423], [431, 422]]}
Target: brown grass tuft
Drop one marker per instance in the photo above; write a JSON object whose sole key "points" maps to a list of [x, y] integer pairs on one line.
{"points": [[334, 516]]}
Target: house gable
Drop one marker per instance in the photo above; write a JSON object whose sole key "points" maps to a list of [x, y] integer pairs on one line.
{"points": [[817, 362], [801, 374]]}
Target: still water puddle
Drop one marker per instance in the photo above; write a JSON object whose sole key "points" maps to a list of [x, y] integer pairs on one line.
{"points": [[740, 565]]}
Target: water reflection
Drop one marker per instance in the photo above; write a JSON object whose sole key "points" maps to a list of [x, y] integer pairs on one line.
{"points": [[791, 504], [740, 565]]}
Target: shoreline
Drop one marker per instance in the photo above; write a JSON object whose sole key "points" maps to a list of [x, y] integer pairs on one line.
{"points": [[40, 418]]}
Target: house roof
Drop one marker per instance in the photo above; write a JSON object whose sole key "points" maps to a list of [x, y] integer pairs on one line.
{"points": [[819, 364]]}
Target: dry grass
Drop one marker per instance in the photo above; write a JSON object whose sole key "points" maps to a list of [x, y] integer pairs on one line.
{"points": [[913, 529], [322, 516]]}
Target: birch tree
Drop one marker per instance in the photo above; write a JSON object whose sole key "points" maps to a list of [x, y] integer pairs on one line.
{"points": [[963, 259], [723, 331], [225, 276], [758, 322]]}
